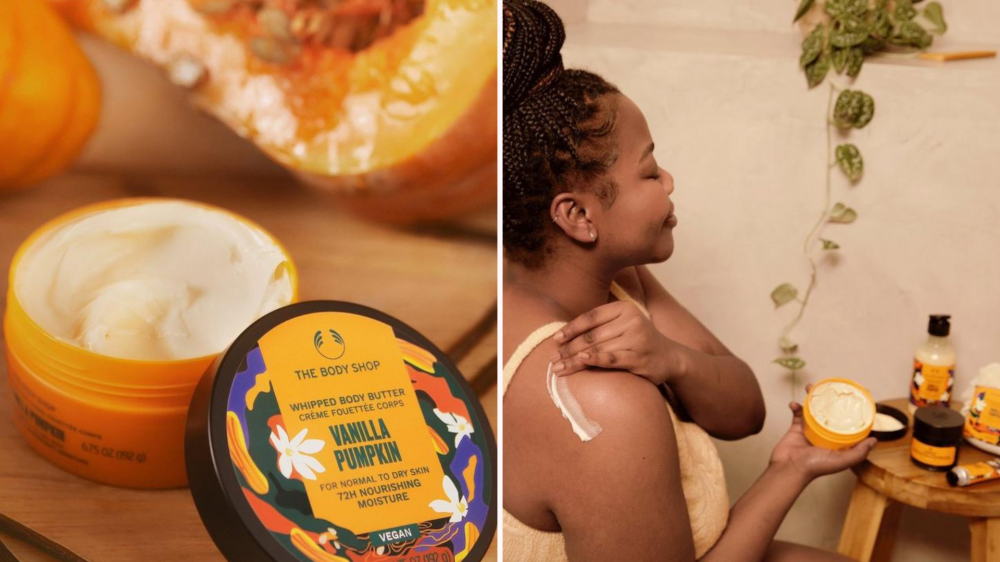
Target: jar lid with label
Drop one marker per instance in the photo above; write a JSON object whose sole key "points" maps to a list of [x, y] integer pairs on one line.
{"points": [[330, 431]]}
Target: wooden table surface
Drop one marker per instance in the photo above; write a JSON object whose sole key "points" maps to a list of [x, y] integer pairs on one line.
{"points": [[889, 470], [441, 280]]}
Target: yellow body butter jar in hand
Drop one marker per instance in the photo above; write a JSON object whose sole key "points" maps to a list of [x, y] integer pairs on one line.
{"points": [[114, 313], [838, 414]]}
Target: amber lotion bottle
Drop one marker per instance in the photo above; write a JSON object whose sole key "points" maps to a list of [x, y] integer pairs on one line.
{"points": [[933, 366]]}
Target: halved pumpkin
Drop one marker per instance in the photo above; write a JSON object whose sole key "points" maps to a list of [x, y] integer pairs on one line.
{"points": [[50, 97], [391, 102]]}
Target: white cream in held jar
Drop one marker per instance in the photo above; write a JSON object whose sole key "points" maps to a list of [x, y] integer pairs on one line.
{"points": [[840, 407]]}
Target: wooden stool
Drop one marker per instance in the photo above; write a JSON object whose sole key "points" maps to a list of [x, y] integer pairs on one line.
{"points": [[888, 479]]}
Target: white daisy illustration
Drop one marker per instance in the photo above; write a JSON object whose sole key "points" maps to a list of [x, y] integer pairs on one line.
{"points": [[295, 454], [330, 536], [456, 424], [979, 405], [458, 508]]}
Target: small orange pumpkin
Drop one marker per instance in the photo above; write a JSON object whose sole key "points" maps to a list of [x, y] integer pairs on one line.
{"points": [[389, 105], [50, 97]]}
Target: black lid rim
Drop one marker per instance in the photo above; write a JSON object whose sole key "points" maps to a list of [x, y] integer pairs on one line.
{"points": [[949, 424], [896, 414], [231, 523]]}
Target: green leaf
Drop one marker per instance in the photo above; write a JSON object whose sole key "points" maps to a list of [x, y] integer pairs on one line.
{"points": [[816, 71], [850, 161], [904, 10], [848, 32], [880, 24], [913, 34], [804, 6], [839, 58], [855, 58], [790, 363], [812, 46], [872, 44], [829, 244], [843, 214], [839, 8], [787, 345], [784, 294], [934, 13], [854, 108]]}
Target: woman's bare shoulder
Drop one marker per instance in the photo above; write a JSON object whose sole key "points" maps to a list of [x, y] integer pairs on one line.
{"points": [[539, 443], [555, 481]]}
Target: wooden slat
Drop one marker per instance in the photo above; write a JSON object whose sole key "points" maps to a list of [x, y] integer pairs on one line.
{"points": [[985, 540]]}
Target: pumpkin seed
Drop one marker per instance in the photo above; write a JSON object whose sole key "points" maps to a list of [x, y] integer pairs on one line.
{"points": [[271, 50], [187, 71], [276, 23], [298, 25]]}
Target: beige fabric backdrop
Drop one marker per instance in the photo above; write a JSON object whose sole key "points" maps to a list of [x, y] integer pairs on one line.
{"points": [[744, 139]]}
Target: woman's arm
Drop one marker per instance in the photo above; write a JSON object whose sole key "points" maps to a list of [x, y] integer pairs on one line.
{"points": [[620, 496], [718, 389]]}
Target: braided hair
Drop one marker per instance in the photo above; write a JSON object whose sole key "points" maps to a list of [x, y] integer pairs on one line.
{"points": [[557, 129]]}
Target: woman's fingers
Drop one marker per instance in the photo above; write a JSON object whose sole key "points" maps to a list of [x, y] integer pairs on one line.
{"points": [[590, 339], [597, 355], [857, 453], [618, 359], [796, 409], [588, 321], [580, 361]]}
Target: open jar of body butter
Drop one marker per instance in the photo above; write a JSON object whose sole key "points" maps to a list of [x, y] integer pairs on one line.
{"points": [[114, 313], [838, 414]]}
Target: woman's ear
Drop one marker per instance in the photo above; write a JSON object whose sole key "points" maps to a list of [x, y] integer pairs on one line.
{"points": [[573, 214]]}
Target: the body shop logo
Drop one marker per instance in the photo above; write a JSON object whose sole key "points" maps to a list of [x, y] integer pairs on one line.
{"points": [[329, 344]]}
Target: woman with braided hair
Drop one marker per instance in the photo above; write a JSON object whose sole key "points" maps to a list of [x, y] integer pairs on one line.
{"points": [[611, 387]]}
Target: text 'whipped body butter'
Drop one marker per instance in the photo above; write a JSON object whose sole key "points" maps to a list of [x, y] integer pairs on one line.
{"points": [[114, 313]]}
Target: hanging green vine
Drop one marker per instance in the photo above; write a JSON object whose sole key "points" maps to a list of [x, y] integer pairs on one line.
{"points": [[850, 31]]}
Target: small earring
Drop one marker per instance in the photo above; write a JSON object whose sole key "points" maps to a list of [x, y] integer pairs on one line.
{"points": [[593, 236]]}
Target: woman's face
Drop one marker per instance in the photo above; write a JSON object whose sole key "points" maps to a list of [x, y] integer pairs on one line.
{"points": [[638, 227]]}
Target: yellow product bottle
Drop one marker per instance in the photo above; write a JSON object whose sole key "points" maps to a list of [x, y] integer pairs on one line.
{"points": [[933, 366]]}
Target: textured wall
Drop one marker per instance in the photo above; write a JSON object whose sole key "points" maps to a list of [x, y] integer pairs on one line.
{"points": [[745, 141], [976, 20]]}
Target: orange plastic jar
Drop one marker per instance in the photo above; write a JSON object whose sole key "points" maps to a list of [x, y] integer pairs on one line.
{"points": [[111, 420], [821, 435]]}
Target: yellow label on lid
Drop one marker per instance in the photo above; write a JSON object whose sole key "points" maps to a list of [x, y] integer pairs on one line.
{"points": [[360, 446]]}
